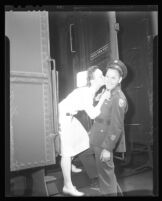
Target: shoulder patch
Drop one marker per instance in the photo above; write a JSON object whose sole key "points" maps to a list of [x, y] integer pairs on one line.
{"points": [[121, 102], [112, 137]]}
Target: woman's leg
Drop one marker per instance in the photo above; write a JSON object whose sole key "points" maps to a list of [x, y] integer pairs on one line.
{"points": [[66, 170]]}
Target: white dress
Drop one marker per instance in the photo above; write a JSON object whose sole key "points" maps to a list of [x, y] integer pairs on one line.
{"points": [[74, 137]]}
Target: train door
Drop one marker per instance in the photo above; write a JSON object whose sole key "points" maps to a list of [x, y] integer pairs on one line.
{"points": [[98, 34], [33, 87]]}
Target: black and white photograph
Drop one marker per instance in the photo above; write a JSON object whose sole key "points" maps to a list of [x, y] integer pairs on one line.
{"points": [[80, 82]]}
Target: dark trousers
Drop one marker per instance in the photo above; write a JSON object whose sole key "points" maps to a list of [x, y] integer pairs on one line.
{"points": [[106, 175], [88, 160]]}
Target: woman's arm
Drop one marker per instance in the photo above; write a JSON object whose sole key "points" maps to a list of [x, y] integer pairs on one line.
{"points": [[97, 98], [92, 111]]}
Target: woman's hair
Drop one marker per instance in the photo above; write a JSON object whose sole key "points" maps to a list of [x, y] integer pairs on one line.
{"points": [[90, 74]]}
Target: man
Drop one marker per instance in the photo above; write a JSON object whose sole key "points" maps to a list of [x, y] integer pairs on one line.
{"points": [[107, 133]]}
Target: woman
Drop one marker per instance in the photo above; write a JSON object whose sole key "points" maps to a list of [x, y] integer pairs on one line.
{"points": [[74, 138]]}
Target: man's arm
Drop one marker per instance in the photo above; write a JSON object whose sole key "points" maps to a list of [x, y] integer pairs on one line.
{"points": [[116, 125]]}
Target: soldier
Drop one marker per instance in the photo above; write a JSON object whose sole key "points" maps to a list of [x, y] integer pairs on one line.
{"points": [[107, 133]]}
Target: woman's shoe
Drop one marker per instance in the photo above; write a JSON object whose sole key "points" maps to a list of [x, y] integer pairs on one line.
{"points": [[75, 169], [72, 191]]}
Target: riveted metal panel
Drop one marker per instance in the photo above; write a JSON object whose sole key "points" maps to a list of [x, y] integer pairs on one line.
{"points": [[31, 104]]}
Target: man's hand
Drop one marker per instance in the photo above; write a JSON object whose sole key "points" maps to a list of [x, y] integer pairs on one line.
{"points": [[105, 155]]}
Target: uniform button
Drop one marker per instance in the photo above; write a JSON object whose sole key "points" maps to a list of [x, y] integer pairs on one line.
{"points": [[101, 131]]}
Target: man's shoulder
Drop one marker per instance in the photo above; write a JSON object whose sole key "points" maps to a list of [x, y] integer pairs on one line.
{"points": [[121, 99], [120, 94]]}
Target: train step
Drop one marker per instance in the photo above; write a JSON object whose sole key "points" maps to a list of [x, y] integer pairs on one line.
{"points": [[54, 181]]}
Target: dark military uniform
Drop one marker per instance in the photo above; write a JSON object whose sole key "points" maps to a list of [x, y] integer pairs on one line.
{"points": [[108, 133]]}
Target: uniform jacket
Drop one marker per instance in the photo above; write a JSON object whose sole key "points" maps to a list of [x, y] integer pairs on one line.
{"points": [[107, 131]]}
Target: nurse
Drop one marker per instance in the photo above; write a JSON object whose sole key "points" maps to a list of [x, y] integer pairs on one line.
{"points": [[74, 138]]}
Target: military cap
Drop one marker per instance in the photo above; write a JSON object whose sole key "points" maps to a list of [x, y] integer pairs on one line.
{"points": [[120, 66]]}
